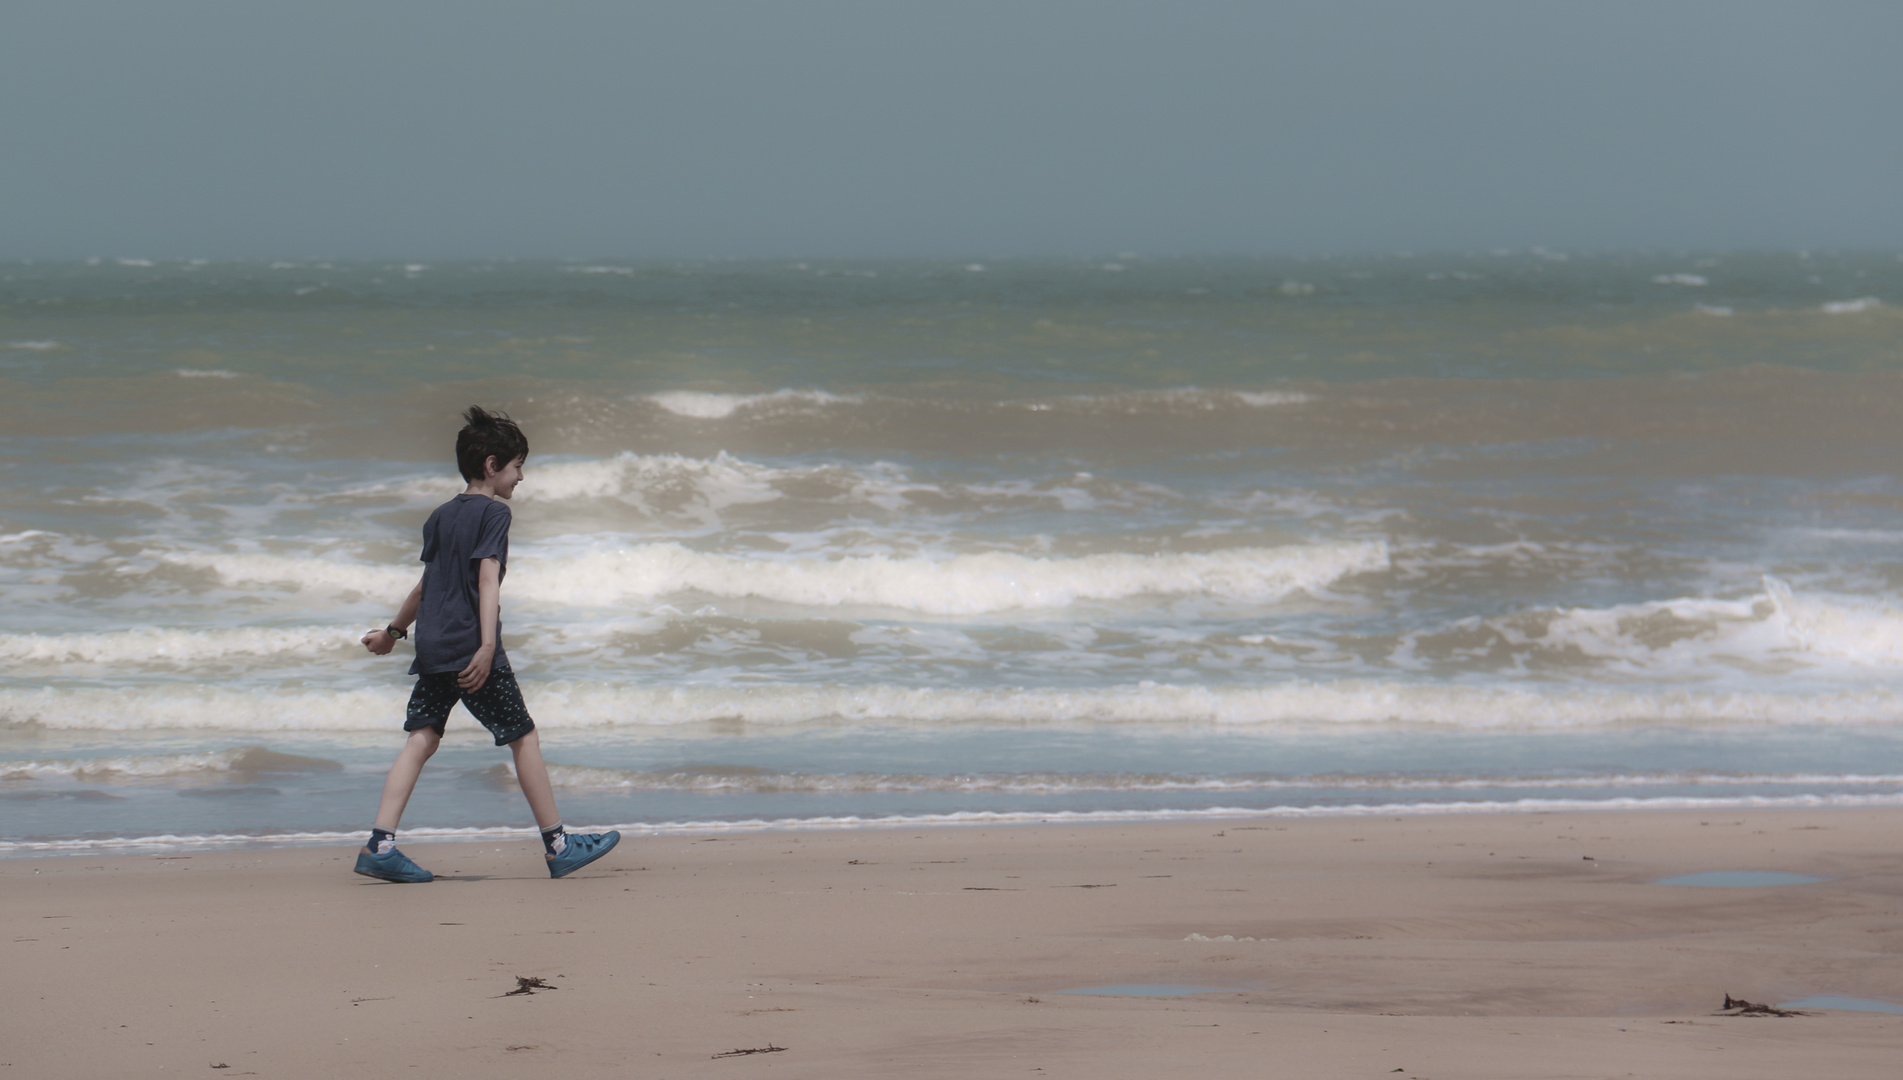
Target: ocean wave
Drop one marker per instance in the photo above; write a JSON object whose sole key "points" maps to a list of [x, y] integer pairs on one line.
{"points": [[1171, 400], [701, 405], [173, 647], [32, 346], [422, 833], [1777, 627], [962, 585], [293, 574], [1344, 705], [976, 584], [704, 405], [671, 485], [242, 760], [1852, 307]]}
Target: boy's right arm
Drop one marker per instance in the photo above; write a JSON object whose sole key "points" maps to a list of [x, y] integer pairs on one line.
{"points": [[381, 642]]}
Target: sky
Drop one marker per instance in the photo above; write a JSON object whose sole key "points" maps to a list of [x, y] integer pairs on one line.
{"points": [[841, 128]]}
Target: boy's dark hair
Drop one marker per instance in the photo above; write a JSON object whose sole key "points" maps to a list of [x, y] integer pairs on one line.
{"points": [[488, 435]]}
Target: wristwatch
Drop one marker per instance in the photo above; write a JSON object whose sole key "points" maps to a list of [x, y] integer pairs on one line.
{"points": [[395, 633]]}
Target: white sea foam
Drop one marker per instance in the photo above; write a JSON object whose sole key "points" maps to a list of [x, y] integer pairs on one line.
{"points": [[291, 574], [1851, 307], [961, 585], [167, 647], [1265, 398], [670, 486], [205, 373], [1300, 705], [700, 405], [1777, 626], [1178, 399], [33, 346], [153, 767], [677, 489], [1712, 309], [1696, 281], [665, 483], [625, 271], [134, 262]]}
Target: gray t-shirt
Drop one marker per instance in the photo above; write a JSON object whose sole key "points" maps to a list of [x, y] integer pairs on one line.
{"points": [[457, 537]]}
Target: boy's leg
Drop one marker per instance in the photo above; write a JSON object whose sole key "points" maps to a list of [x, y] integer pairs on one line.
{"points": [[498, 704], [403, 775], [532, 773], [380, 857]]}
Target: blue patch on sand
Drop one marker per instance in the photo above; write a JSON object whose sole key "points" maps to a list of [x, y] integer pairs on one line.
{"points": [[1739, 879], [1147, 990], [1829, 1001]]}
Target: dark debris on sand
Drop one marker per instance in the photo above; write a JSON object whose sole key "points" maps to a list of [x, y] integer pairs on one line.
{"points": [[769, 1048], [1752, 1008], [529, 985]]}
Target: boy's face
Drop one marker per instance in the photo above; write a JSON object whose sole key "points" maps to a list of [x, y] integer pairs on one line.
{"points": [[503, 480]]}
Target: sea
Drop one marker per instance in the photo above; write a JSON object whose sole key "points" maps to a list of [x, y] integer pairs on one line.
{"points": [[848, 544]]}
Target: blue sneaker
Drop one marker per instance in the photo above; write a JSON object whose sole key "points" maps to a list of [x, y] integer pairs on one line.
{"points": [[395, 866], [581, 850]]}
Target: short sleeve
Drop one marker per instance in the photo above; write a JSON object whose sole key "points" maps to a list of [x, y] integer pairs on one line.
{"points": [[429, 538], [492, 542]]}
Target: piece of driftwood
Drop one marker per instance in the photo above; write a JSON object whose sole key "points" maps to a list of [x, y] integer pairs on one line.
{"points": [[529, 986], [1752, 1008], [769, 1048]]}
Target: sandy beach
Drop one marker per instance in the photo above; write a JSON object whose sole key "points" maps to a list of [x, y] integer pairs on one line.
{"points": [[1434, 947]]}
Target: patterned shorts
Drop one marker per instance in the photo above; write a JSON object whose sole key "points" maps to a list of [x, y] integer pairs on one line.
{"points": [[498, 705]]}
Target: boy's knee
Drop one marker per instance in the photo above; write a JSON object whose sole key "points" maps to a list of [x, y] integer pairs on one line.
{"points": [[426, 740]]}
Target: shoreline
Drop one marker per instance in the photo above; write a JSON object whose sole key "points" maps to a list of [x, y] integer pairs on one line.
{"points": [[1509, 945], [32, 849]]}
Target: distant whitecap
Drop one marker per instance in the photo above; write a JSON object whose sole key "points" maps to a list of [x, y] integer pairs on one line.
{"points": [[1851, 307]]}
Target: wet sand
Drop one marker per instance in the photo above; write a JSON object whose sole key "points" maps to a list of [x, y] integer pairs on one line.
{"points": [[1511, 946]]}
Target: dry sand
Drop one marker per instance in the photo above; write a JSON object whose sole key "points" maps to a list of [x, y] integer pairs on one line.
{"points": [[1438, 947]]}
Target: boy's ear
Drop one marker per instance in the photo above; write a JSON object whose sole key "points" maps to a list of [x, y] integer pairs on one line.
{"points": [[489, 467]]}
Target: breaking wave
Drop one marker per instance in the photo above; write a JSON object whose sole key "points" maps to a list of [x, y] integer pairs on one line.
{"points": [[960, 585], [242, 760], [700, 405], [172, 647], [1295, 705]]}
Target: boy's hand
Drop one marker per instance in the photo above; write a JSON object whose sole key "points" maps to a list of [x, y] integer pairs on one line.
{"points": [[471, 678], [379, 642]]}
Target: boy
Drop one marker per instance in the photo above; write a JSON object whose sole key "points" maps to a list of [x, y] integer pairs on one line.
{"points": [[459, 652]]}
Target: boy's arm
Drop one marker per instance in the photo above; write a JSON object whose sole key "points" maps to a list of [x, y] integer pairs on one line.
{"points": [[380, 641], [488, 609]]}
